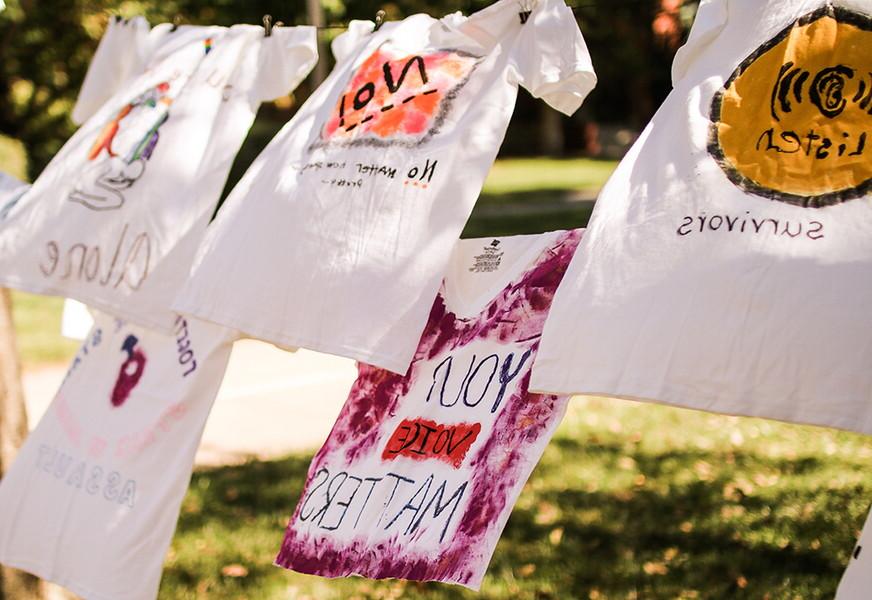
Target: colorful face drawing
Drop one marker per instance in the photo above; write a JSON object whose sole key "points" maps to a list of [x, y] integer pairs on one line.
{"points": [[128, 139], [792, 122], [130, 372], [142, 119], [397, 100]]}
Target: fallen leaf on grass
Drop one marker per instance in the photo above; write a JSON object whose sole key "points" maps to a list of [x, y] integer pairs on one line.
{"points": [[234, 571]]}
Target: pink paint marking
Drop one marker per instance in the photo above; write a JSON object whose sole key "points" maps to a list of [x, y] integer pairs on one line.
{"points": [[130, 372]]}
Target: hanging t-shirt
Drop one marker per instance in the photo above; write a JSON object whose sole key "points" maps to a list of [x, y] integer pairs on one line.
{"points": [[114, 220], [11, 191], [76, 320], [728, 264], [857, 581], [337, 237], [421, 471], [92, 498]]}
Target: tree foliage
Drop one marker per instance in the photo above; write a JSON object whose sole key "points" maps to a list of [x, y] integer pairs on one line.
{"points": [[46, 46]]}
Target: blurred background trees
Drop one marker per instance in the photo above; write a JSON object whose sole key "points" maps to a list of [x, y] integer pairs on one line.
{"points": [[45, 48]]}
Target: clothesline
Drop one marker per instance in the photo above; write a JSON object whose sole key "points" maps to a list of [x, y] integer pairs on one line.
{"points": [[574, 7], [336, 26]]}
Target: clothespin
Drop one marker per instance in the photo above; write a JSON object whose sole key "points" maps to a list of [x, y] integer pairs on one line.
{"points": [[526, 8], [177, 20], [267, 25], [379, 20]]}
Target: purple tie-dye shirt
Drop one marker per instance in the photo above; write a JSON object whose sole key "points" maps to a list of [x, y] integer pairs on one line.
{"points": [[420, 472]]}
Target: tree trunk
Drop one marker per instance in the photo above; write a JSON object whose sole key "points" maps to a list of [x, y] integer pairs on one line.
{"points": [[14, 585], [316, 18], [551, 140]]}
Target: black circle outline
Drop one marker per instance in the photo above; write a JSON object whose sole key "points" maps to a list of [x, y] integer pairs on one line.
{"points": [[841, 15]]}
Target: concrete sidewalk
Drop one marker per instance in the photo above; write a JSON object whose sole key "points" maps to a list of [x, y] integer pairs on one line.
{"points": [[271, 402]]}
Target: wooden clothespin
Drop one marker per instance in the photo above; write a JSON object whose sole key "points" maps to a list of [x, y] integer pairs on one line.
{"points": [[267, 25], [177, 20], [379, 20]]}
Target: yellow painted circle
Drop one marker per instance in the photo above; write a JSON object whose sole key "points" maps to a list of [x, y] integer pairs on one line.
{"points": [[794, 121]]}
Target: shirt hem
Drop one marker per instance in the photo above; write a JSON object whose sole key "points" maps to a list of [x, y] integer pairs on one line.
{"points": [[677, 398], [162, 326], [44, 572], [287, 342]]}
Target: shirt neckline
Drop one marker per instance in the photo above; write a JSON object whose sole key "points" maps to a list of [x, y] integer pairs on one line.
{"points": [[465, 309]]}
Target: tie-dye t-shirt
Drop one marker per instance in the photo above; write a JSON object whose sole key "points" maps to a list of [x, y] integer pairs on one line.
{"points": [[115, 218], [857, 579], [92, 498], [728, 262], [337, 237], [420, 472]]}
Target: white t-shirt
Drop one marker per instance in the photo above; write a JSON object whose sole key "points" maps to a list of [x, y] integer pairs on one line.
{"points": [[92, 498], [337, 237], [727, 266], [76, 320], [857, 581], [115, 218], [11, 191], [420, 472]]}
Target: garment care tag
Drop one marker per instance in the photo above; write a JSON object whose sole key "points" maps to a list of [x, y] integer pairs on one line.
{"points": [[489, 260]]}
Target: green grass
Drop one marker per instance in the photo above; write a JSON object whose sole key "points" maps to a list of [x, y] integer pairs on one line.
{"points": [[38, 329], [629, 501], [515, 175], [13, 160], [532, 195]]}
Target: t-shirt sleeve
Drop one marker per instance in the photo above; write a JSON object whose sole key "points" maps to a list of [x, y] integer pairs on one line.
{"points": [[120, 55], [551, 59], [711, 16], [344, 44], [288, 55]]}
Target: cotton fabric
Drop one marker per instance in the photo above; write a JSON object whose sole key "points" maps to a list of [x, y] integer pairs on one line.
{"points": [[727, 267], [115, 218], [857, 580], [337, 237], [92, 499], [420, 472], [11, 190]]}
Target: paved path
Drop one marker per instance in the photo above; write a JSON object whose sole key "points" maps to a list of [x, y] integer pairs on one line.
{"points": [[271, 402]]}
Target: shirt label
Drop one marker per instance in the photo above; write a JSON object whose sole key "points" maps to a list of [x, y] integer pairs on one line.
{"points": [[489, 260]]}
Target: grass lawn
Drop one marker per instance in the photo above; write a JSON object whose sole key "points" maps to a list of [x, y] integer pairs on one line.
{"points": [[510, 176], [629, 501], [38, 327]]}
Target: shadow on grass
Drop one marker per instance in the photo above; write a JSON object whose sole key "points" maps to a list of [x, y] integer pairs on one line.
{"points": [[665, 533]]}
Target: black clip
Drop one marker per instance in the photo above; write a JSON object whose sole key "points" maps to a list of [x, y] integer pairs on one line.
{"points": [[526, 10], [379, 20]]}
